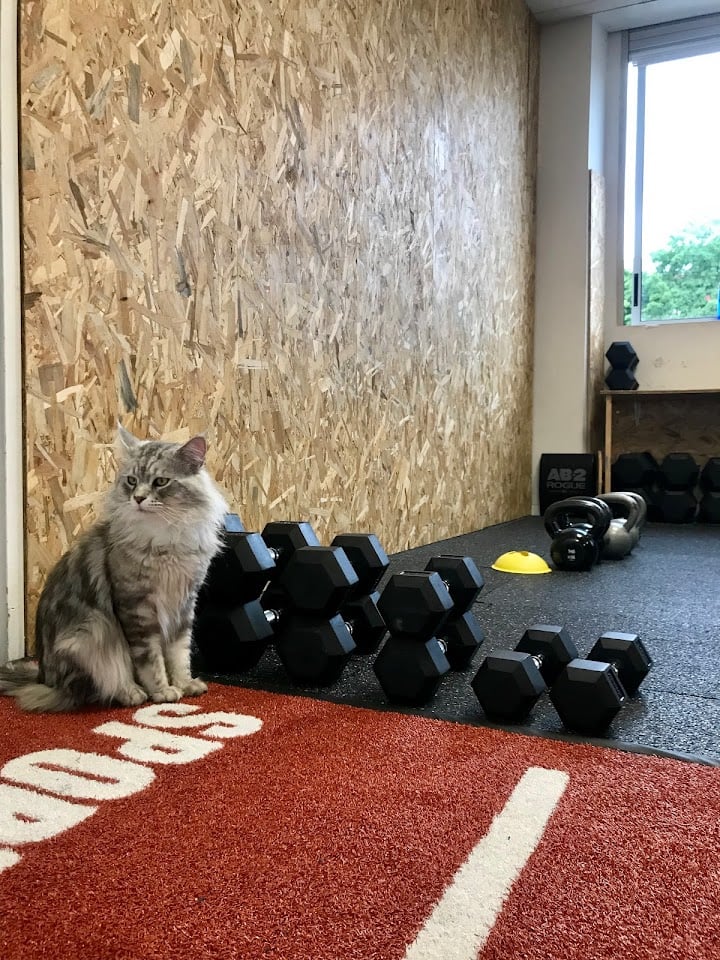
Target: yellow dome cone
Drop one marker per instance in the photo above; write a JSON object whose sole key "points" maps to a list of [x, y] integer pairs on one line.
{"points": [[521, 561]]}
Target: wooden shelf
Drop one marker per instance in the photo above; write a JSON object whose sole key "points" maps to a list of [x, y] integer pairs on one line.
{"points": [[661, 421], [656, 393]]}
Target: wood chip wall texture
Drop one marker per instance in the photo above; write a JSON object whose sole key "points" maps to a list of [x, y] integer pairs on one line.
{"points": [[305, 228]]}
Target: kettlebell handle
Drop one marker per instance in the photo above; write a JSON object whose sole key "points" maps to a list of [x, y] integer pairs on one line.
{"points": [[566, 513], [628, 506]]}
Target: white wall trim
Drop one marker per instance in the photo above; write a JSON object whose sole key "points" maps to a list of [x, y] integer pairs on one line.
{"points": [[12, 495]]}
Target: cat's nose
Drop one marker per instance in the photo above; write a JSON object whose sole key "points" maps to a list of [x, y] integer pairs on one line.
{"points": [[139, 497]]}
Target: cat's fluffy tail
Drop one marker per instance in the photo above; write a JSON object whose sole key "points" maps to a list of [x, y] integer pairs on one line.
{"points": [[19, 680]]}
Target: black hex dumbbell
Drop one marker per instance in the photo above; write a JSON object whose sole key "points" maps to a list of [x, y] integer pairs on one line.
{"points": [[709, 511], [623, 361], [509, 683], [675, 500], [589, 693], [243, 558], [312, 640], [461, 631], [283, 538], [231, 631], [412, 661], [634, 471], [360, 610], [220, 581]]}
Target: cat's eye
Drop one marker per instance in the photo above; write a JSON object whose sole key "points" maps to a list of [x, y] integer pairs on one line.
{"points": [[131, 481], [161, 481]]}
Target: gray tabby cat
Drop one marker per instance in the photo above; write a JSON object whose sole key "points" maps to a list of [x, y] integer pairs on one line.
{"points": [[115, 617]]}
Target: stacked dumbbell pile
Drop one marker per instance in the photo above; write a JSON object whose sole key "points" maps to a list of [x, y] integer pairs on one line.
{"points": [[283, 587], [674, 499], [360, 610], [623, 362], [635, 472], [587, 693], [432, 628], [675, 489], [709, 505], [318, 606]]}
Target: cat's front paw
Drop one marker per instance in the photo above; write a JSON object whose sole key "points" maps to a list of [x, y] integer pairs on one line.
{"points": [[166, 695], [132, 696], [195, 687]]}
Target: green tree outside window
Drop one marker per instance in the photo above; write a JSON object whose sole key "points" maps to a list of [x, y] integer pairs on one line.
{"points": [[686, 278]]}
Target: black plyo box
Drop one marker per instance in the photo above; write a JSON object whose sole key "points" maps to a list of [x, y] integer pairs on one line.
{"points": [[566, 475]]}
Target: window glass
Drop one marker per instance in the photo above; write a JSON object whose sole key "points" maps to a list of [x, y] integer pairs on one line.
{"points": [[672, 196]]}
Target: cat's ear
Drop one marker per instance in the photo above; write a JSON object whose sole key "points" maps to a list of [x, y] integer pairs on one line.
{"points": [[192, 453], [126, 441]]}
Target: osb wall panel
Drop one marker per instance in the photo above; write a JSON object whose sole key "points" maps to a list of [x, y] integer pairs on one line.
{"points": [[303, 228]]}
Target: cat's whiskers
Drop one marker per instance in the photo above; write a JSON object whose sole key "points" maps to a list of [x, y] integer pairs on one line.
{"points": [[172, 516]]}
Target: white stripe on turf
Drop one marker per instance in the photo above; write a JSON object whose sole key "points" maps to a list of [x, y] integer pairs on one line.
{"points": [[462, 919]]}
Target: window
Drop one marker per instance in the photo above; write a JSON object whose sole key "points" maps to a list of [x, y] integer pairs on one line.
{"points": [[672, 172]]}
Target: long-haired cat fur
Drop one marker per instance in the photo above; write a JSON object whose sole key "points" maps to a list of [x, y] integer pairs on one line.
{"points": [[115, 617]]}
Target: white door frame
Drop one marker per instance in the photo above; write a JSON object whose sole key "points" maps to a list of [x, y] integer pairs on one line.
{"points": [[12, 488]]}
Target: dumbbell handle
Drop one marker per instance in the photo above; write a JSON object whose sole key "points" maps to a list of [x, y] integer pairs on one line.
{"points": [[615, 667], [274, 617], [630, 672], [538, 660], [454, 612], [442, 579]]}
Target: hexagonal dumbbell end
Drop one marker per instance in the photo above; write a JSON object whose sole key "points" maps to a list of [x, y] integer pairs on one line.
{"points": [[410, 671], [232, 524], [365, 622], [552, 647], [314, 650], [679, 471], [462, 578], [508, 685], [627, 653], [710, 474], [284, 537], [231, 640], [462, 635], [317, 579], [367, 556], [415, 604], [588, 696], [239, 571], [621, 355]]}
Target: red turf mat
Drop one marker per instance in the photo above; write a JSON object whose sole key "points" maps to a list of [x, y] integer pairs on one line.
{"points": [[324, 832]]}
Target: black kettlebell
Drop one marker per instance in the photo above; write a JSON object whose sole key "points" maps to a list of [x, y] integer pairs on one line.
{"points": [[577, 526]]}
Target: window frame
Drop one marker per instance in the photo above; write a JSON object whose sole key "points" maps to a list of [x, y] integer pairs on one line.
{"points": [[641, 47]]}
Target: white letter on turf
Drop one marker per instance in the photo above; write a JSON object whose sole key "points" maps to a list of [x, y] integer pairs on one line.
{"points": [[176, 716], [63, 771], [26, 816]]}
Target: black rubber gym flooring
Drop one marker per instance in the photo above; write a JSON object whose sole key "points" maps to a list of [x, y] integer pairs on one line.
{"points": [[667, 591]]}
